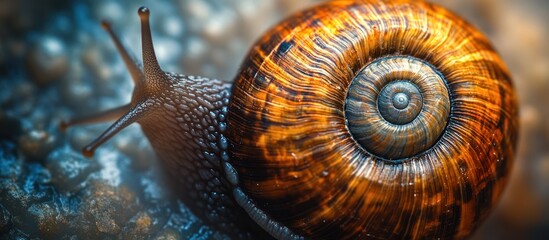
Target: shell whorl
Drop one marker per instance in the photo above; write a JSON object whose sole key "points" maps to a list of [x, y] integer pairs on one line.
{"points": [[317, 155], [397, 107]]}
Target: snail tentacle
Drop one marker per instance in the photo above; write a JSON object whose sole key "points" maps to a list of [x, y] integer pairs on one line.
{"points": [[131, 65], [108, 115], [152, 71], [127, 119], [146, 92]]}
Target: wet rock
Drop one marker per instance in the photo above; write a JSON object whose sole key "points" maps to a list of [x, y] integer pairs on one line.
{"points": [[133, 144], [13, 93], [36, 144], [47, 60], [69, 169], [47, 218], [13, 197], [10, 127], [108, 207], [168, 234], [5, 218], [141, 226], [10, 166]]}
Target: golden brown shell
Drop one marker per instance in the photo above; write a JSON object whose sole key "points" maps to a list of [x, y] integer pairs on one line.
{"points": [[298, 160]]}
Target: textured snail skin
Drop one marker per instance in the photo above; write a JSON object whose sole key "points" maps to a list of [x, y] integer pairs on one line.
{"points": [[281, 152]]}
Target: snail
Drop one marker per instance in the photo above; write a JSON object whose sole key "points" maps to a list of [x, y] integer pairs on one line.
{"points": [[349, 120]]}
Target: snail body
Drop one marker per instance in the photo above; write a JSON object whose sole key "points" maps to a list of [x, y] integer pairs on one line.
{"points": [[352, 119]]}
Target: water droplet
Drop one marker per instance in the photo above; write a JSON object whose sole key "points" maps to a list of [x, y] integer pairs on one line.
{"points": [[325, 173]]}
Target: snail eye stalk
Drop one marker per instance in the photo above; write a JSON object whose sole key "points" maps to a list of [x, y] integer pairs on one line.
{"points": [[147, 83]]}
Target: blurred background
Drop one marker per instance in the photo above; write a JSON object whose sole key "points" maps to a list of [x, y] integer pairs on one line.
{"points": [[57, 62]]}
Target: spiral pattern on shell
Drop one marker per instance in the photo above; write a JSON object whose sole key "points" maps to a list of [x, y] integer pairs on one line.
{"points": [[397, 106], [319, 155]]}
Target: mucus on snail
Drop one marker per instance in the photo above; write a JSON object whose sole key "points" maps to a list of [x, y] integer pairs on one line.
{"points": [[350, 120]]}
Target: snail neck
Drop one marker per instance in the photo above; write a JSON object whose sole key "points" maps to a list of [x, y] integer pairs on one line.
{"points": [[185, 128]]}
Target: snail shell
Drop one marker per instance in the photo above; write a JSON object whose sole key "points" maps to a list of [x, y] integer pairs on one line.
{"points": [[350, 120], [391, 119]]}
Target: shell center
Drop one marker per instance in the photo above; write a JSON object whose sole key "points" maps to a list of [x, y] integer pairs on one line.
{"points": [[397, 107], [401, 100]]}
